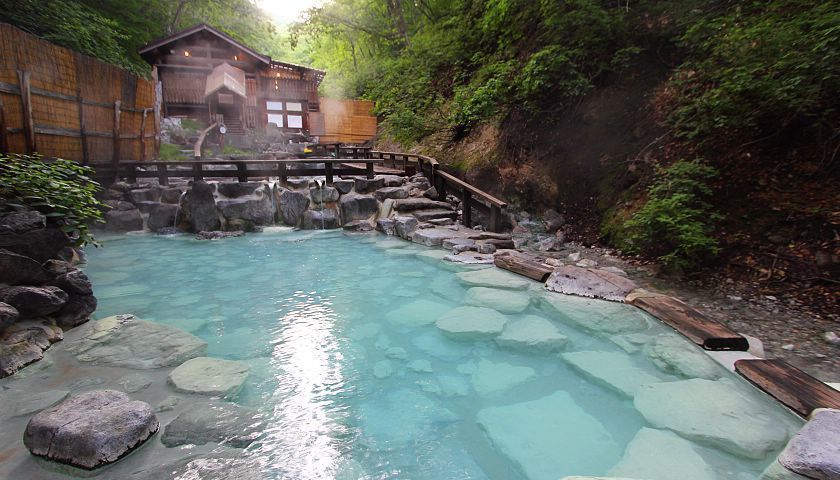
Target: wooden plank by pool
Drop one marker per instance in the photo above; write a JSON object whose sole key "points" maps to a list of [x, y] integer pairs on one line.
{"points": [[789, 385], [523, 266], [703, 331]]}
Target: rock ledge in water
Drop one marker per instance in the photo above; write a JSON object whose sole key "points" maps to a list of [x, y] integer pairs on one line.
{"points": [[91, 429], [209, 376]]}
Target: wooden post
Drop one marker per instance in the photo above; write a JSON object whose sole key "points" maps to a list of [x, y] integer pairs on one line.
{"points": [[441, 187], [242, 171], [284, 175], [143, 135], [131, 174], [328, 167], [158, 99], [466, 199], [495, 211], [26, 100], [4, 143], [116, 159], [163, 174], [197, 171], [369, 170], [82, 134], [337, 150]]}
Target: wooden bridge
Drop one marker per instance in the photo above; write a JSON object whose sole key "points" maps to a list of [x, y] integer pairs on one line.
{"points": [[331, 161]]}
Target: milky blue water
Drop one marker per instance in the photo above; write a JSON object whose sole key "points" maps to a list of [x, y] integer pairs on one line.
{"points": [[354, 378]]}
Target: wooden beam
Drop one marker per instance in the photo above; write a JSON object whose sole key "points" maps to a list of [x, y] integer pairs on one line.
{"points": [[116, 159], [523, 266], [789, 385], [80, 106], [26, 101]]}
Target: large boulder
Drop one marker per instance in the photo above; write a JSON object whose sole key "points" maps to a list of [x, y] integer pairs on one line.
{"points": [[239, 189], [290, 206], [209, 376], [8, 315], [139, 195], [91, 429], [17, 269], [343, 186], [257, 209], [431, 237], [814, 452], [34, 301], [589, 282], [74, 282], [162, 215], [390, 192], [366, 185], [123, 220], [40, 244], [405, 226], [214, 422], [357, 207], [76, 311], [324, 194], [325, 219], [171, 195], [126, 341], [22, 222], [199, 208]]}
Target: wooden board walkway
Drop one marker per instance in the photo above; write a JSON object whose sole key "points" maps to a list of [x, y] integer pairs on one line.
{"points": [[703, 331], [789, 385]]}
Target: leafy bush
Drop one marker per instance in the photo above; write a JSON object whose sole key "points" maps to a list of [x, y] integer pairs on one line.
{"points": [[60, 189], [675, 224], [171, 153]]}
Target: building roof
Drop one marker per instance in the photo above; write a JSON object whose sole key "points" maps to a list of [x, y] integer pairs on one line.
{"points": [[147, 49]]}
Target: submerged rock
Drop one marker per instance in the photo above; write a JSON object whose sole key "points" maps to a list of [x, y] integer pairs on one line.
{"points": [[614, 370], [209, 376], [544, 437], [91, 429], [217, 235], [674, 354], [418, 313], [595, 315], [401, 417], [471, 323], [715, 413], [215, 466], [29, 403], [505, 301], [532, 334], [494, 278], [217, 422], [492, 377], [661, 455], [127, 341]]}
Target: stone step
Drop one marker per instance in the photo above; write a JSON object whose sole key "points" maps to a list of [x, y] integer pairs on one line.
{"points": [[411, 204], [434, 214]]}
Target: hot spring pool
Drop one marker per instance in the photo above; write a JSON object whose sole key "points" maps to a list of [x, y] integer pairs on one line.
{"points": [[350, 376]]}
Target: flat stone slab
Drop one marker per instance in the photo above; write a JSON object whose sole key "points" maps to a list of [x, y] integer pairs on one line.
{"points": [[127, 341], [432, 237], [217, 422], [91, 429], [27, 404], [412, 204], [470, 258], [814, 451], [494, 278], [661, 455], [595, 315], [676, 355], [209, 376], [532, 334], [715, 413], [505, 301], [471, 323], [589, 282], [543, 437], [434, 214], [497, 377], [418, 313], [612, 369]]}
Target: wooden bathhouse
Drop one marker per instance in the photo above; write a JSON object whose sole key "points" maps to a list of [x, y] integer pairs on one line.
{"points": [[208, 75]]}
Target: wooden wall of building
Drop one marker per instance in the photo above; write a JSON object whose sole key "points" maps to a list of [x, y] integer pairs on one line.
{"points": [[60, 103], [343, 121]]}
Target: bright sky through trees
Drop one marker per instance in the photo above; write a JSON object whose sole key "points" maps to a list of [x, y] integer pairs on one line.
{"points": [[287, 11]]}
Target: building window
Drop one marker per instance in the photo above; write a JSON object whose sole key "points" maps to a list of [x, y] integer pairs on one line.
{"points": [[294, 106], [276, 119], [274, 106], [295, 121], [286, 114]]}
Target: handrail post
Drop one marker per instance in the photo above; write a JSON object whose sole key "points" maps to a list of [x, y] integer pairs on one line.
{"points": [[466, 198], [284, 174], [369, 170], [242, 171], [328, 168], [197, 172], [131, 175], [163, 174]]}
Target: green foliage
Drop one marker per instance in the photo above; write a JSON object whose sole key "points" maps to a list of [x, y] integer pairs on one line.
{"points": [[757, 70], [676, 222], [171, 153], [60, 189]]}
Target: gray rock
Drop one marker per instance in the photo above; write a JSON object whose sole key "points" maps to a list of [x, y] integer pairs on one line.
{"points": [[134, 382], [392, 180], [343, 186], [386, 226], [146, 207], [421, 183], [532, 334], [123, 220], [120, 205], [485, 248], [435, 214], [29, 403], [412, 204], [151, 194], [209, 376], [126, 341], [162, 215], [549, 244], [217, 422], [17, 269], [431, 237], [611, 369], [451, 243], [57, 267], [320, 219], [470, 258], [365, 185], [359, 226], [74, 282], [405, 226], [91, 429], [493, 278], [218, 235], [22, 222], [76, 311], [34, 301], [674, 354], [257, 208], [8, 315], [290, 206], [325, 194], [814, 452], [431, 193], [216, 466], [390, 192], [553, 221], [470, 323], [21, 348], [587, 282], [661, 455], [39, 244], [239, 189], [171, 195], [357, 207], [199, 208]]}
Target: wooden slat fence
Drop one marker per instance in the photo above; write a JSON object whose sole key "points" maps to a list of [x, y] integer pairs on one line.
{"points": [[60, 103]]}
